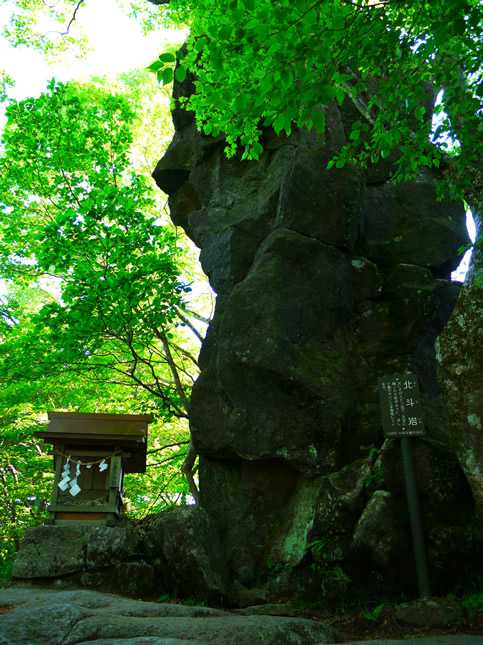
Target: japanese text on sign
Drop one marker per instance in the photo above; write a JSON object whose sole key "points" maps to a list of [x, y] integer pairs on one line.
{"points": [[402, 414]]}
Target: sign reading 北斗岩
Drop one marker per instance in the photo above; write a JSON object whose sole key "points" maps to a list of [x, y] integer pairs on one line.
{"points": [[402, 413]]}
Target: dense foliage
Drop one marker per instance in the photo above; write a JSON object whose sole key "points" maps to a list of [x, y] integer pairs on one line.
{"points": [[259, 63], [74, 211], [95, 316]]}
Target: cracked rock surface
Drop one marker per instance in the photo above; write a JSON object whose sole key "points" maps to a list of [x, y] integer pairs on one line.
{"points": [[34, 616]]}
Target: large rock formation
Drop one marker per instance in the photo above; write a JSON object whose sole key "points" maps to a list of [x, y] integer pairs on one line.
{"points": [[325, 280]]}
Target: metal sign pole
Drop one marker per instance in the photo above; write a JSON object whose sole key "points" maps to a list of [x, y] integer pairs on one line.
{"points": [[415, 517], [402, 417]]}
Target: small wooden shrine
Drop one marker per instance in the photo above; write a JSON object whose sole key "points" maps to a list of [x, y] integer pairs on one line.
{"points": [[91, 454]]}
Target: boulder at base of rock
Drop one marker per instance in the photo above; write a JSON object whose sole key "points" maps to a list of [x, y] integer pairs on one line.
{"points": [[431, 612], [240, 596], [271, 609], [183, 544], [50, 551], [376, 531]]}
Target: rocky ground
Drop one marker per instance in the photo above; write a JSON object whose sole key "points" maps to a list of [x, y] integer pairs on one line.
{"points": [[355, 626], [35, 616]]}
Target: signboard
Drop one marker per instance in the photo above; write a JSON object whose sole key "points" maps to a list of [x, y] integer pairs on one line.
{"points": [[401, 410], [402, 416]]}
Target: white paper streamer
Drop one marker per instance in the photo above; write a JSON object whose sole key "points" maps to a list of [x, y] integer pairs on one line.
{"points": [[75, 489], [65, 475], [64, 483], [66, 480]]}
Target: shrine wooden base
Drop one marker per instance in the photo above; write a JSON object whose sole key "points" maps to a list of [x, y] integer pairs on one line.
{"points": [[80, 516]]}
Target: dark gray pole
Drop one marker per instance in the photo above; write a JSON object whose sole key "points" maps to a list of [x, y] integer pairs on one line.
{"points": [[415, 517]]}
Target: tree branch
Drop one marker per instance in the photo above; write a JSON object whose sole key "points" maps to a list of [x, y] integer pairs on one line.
{"points": [[187, 469], [194, 314], [74, 15], [188, 324], [169, 445]]}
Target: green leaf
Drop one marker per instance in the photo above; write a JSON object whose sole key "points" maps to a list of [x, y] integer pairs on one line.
{"points": [[375, 614], [155, 66], [241, 102], [167, 75], [319, 120], [180, 73], [419, 112], [279, 123], [200, 43], [262, 31], [257, 148], [224, 32], [318, 544], [167, 58]]}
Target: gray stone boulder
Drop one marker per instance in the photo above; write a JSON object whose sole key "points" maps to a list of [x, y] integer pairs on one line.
{"points": [[97, 557], [295, 343], [341, 501], [376, 533], [240, 596], [270, 609], [177, 553], [136, 579], [431, 612], [38, 616], [51, 551], [184, 546]]}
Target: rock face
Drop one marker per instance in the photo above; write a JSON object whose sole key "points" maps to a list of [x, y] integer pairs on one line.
{"points": [[325, 280], [460, 360]]}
